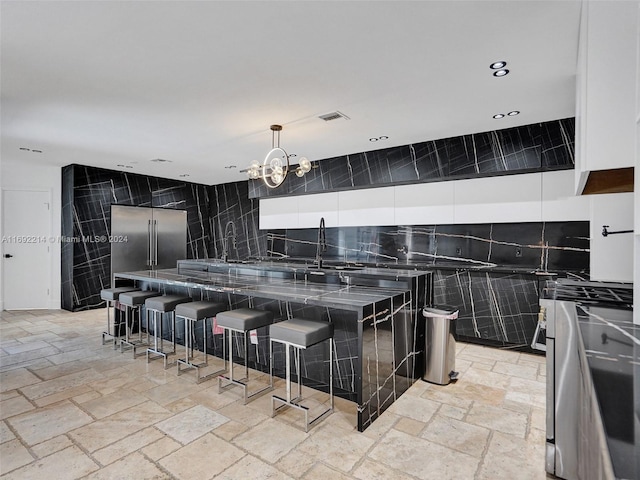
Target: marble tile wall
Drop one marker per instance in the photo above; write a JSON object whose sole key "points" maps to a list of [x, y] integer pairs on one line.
{"points": [[88, 194], [231, 202], [491, 272], [529, 148]]}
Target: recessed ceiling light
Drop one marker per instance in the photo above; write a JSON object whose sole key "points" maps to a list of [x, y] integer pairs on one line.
{"points": [[36, 151], [25, 149], [498, 115], [375, 139], [120, 165], [160, 160], [383, 137], [233, 166], [184, 175], [500, 73], [513, 113], [128, 166], [497, 65]]}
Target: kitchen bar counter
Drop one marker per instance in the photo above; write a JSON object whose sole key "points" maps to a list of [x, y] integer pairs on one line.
{"points": [[378, 326], [348, 297]]}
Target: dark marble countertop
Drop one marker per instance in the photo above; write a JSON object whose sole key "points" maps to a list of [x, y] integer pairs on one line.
{"points": [[342, 296], [462, 264], [305, 267], [612, 348]]}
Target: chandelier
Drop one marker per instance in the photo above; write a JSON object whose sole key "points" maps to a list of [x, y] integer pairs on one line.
{"points": [[276, 165]]}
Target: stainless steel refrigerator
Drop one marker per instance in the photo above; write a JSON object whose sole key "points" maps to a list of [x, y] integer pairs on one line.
{"points": [[146, 238]]}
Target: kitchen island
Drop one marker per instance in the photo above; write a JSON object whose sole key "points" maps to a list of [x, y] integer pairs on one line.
{"points": [[376, 313]]}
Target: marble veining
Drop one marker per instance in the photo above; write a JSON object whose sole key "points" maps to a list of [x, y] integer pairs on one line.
{"points": [[378, 332], [88, 194], [528, 148], [490, 271]]}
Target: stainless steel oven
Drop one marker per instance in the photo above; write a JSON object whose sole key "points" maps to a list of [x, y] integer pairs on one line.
{"points": [[562, 386]]}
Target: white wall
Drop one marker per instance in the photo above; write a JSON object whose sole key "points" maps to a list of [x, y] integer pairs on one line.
{"points": [[612, 256], [33, 176]]}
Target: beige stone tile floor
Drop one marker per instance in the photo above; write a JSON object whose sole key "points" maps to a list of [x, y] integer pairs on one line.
{"points": [[73, 408]]}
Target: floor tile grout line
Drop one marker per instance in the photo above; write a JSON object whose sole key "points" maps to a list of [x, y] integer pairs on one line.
{"points": [[484, 454]]}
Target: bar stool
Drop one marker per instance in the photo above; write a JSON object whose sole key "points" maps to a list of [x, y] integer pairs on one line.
{"points": [[243, 320], [133, 301], [111, 295], [161, 305], [192, 313], [300, 333]]}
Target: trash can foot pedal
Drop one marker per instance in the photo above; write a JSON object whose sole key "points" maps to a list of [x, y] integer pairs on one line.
{"points": [[454, 375]]}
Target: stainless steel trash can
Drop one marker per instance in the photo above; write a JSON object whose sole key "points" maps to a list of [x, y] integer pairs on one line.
{"points": [[440, 344]]}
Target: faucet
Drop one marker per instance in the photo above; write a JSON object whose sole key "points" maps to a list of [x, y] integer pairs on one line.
{"points": [[322, 243], [229, 231]]}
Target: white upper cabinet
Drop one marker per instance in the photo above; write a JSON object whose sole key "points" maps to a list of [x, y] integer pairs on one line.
{"points": [[606, 88]]}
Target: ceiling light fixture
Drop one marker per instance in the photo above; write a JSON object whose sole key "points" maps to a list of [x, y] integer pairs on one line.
{"points": [[500, 73], [497, 65], [498, 115], [275, 166], [513, 113]]}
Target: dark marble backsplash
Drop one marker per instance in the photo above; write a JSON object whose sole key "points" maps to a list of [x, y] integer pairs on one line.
{"points": [[529, 148], [491, 272], [554, 246], [230, 202]]}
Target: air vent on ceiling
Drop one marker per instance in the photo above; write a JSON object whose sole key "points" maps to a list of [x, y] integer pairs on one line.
{"points": [[327, 117], [160, 160]]}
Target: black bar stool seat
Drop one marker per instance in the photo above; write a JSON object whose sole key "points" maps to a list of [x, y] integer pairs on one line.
{"points": [[111, 296], [243, 320], [300, 333], [156, 307], [192, 313], [134, 301]]}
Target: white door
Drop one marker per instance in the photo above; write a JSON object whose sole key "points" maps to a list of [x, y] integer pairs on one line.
{"points": [[26, 242]]}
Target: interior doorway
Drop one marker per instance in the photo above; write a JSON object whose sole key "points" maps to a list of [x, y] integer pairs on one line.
{"points": [[26, 249]]}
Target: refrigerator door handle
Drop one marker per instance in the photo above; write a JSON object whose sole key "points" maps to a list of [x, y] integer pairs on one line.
{"points": [[149, 246], [155, 248]]}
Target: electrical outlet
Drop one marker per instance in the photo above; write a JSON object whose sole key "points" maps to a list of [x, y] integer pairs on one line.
{"points": [[458, 251], [518, 252]]}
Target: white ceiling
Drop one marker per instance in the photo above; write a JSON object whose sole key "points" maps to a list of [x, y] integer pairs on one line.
{"points": [[199, 83]]}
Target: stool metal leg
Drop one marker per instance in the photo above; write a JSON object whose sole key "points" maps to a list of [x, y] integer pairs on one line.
{"points": [[295, 402], [107, 332], [189, 342], [158, 338], [128, 333], [243, 382]]}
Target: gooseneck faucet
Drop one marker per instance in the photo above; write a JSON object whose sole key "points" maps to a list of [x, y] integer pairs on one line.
{"points": [[322, 243], [229, 232]]}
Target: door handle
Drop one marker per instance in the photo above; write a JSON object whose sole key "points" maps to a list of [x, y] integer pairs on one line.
{"points": [[149, 244], [8, 255], [155, 248]]}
